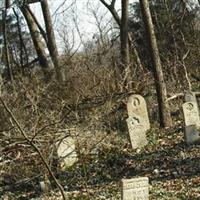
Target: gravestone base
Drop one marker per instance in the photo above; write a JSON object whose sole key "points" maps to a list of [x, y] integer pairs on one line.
{"points": [[192, 134], [137, 134]]}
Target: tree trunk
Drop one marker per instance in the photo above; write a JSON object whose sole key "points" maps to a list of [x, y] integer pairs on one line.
{"points": [[125, 37], [164, 111], [51, 42], [6, 49], [124, 34], [37, 41]]}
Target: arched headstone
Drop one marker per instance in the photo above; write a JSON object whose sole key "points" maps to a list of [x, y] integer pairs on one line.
{"points": [[138, 121]]}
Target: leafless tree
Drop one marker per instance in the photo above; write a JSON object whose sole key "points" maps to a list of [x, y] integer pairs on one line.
{"points": [[51, 42], [37, 41], [164, 111]]}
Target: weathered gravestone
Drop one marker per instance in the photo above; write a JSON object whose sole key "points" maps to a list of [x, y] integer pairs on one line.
{"points": [[66, 152], [190, 96], [137, 106], [192, 122], [135, 189], [138, 121]]}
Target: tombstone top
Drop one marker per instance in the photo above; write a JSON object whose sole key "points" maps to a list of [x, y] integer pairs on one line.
{"points": [[137, 108], [190, 96], [191, 113], [136, 100], [135, 182], [136, 104]]}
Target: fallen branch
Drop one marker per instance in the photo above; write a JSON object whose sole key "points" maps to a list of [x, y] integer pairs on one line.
{"points": [[175, 96], [180, 95]]}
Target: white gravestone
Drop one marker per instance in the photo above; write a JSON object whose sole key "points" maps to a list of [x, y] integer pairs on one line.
{"points": [[137, 106], [137, 132], [138, 121], [191, 97], [66, 152], [135, 189], [192, 122]]}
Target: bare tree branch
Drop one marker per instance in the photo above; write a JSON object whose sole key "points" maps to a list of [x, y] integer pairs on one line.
{"points": [[34, 147]]}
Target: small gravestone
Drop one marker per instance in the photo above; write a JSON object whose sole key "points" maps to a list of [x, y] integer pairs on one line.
{"points": [[138, 121], [135, 189], [66, 152], [192, 122], [190, 96]]}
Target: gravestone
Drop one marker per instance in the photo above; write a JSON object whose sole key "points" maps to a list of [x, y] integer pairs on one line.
{"points": [[136, 106], [192, 122], [137, 132], [138, 121], [66, 152], [135, 189], [190, 96]]}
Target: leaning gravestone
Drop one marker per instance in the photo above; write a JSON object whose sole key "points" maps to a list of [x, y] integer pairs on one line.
{"points": [[66, 152], [138, 121], [192, 122], [135, 189], [136, 106]]}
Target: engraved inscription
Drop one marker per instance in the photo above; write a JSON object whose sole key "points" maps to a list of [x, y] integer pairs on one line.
{"points": [[190, 106], [135, 189], [191, 113]]}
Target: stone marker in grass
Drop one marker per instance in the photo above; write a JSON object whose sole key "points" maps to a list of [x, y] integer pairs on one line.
{"points": [[192, 122], [138, 121], [135, 189], [66, 152]]}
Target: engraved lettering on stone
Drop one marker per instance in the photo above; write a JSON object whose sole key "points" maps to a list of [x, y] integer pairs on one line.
{"points": [[135, 189], [192, 122], [191, 114]]}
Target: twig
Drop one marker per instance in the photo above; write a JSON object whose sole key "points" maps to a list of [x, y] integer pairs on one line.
{"points": [[34, 147], [175, 96]]}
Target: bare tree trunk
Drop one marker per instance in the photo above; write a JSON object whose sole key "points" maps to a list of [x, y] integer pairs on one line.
{"points": [[43, 33], [124, 34], [37, 41], [6, 49], [51, 42], [22, 45], [164, 111]]}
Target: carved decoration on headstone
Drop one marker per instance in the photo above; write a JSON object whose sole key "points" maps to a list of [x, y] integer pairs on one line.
{"points": [[135, 189], [136, 106], [138, 121]]}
